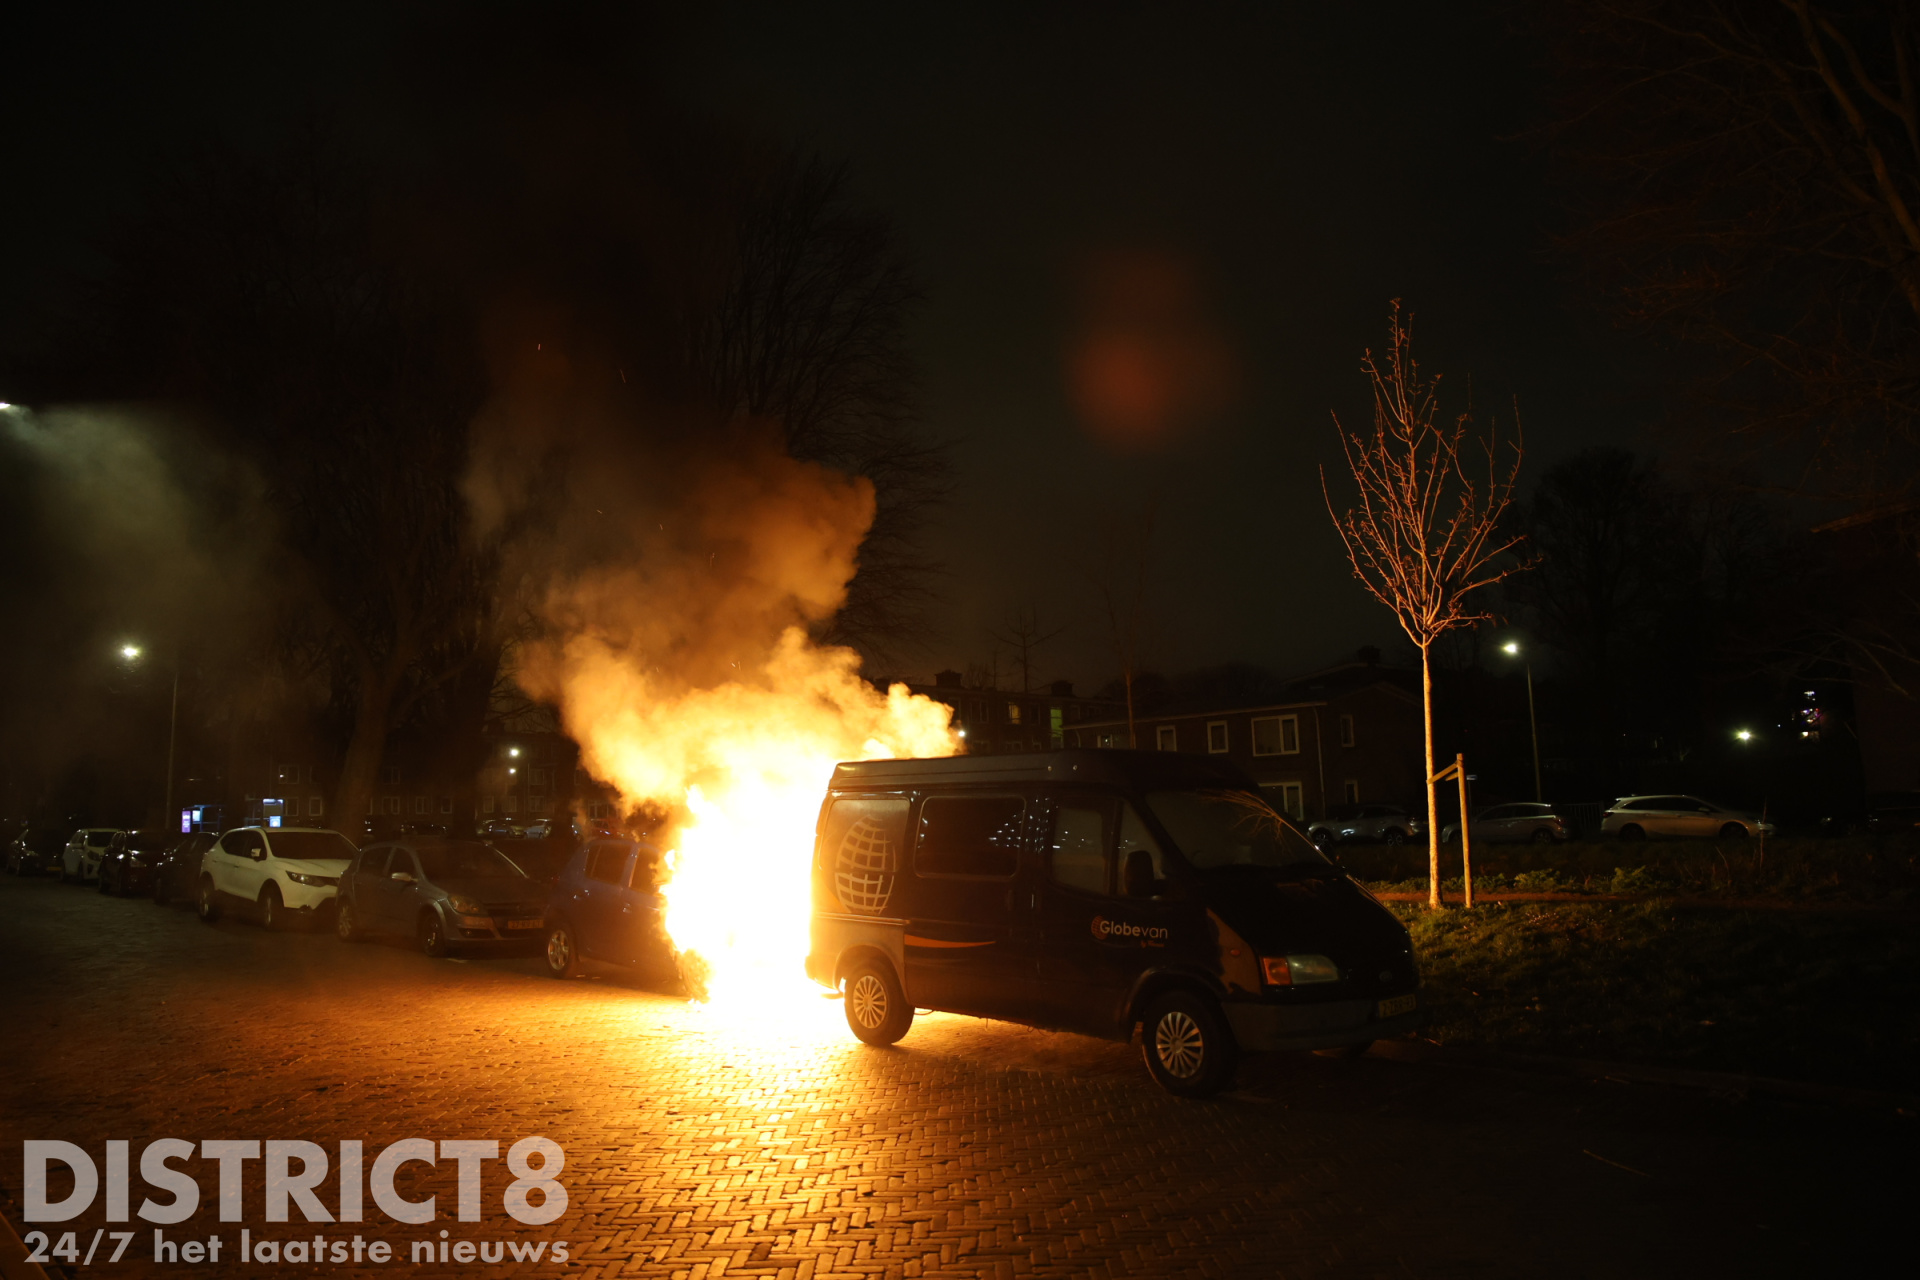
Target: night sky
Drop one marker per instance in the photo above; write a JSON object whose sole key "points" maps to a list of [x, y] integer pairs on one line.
{"points": [[1266, 177]]}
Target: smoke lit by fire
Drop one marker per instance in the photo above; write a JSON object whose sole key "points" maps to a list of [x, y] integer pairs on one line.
{"points": [[684, 668]]}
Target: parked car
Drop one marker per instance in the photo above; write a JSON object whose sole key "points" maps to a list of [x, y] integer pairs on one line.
{"points": [[1387, 823], [1131, 895], [127, 865], [81, 858], [447, 894], [1527, 823], [502, 828], [177, 870], [283, 874], [1883, 811], [1677, 818], [606, 907], [36, 851]]}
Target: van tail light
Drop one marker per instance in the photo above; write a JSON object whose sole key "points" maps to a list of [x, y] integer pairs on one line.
{"points": [[1295, 971]]}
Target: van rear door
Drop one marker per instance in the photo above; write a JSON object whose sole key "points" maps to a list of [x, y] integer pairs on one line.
{"points": [[964, 950]]}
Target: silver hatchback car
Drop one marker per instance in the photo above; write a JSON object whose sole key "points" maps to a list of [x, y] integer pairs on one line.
{"points": [[1678, 818], [1387, 823]]}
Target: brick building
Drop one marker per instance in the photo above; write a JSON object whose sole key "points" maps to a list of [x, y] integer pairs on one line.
{"points": [[1345, 735]]}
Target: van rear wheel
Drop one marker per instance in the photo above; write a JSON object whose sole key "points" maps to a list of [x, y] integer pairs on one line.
{"points": [[877, 1008], [1189, 1048]]}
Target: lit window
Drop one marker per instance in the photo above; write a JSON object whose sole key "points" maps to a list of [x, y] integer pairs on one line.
{"points": [[1217, 736], [1013, 713], [1346, 731]]}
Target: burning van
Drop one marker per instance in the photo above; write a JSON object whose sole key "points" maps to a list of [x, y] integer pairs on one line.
{"points": [[1119, 894]]}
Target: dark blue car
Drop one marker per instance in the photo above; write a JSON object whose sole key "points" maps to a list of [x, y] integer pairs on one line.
{"points": [[606, 908]]}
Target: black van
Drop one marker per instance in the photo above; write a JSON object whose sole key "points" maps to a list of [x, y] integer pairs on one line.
{"points": [[1114, 893]]}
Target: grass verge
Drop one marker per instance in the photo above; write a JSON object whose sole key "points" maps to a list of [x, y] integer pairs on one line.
{"points": [[1803, 997]]}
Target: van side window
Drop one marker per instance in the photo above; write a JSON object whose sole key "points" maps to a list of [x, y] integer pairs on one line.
{"points": [[1077, 853], [607, 860], [969, 836], [1134, 835]]}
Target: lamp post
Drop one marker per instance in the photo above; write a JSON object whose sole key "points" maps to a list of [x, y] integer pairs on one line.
{"points": [[131, 652], [1512, 648]]}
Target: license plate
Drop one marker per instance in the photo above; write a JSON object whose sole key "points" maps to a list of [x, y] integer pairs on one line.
{"points": [[525, 924], [1398, 1005]]}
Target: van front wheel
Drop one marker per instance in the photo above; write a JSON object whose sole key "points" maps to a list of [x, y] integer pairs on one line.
{"points": [[877, 1009], [1189, 1049]]}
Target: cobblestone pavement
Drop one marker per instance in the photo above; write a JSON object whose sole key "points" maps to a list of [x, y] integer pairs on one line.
{"points": [[701, 1144]]}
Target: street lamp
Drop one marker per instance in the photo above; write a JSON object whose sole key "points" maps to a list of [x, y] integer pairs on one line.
{"points": [[1512, 650], [132, 652], [1745, 735]]}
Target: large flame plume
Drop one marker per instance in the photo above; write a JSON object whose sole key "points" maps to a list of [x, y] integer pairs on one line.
{"points": [[685, 670]]}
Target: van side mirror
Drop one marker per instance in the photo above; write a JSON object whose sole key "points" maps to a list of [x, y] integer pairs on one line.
{"points": [[404, 877], [1137, 878]]}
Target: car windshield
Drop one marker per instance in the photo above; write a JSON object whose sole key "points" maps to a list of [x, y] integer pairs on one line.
{"points": [[147, 841], [310, 844], [45, 840], [466, 861], [1214, 829]]}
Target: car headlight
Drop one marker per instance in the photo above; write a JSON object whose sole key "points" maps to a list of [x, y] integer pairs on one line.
{"points": [[464, 905], [301, 877], [1296, 971]]}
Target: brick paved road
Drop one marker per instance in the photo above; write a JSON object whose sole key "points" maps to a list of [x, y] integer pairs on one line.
{"points": [[698, 1147]]}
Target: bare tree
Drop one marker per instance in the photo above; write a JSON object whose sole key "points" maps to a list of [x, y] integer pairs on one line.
{"points": [[1023, 633], [1424, 535]]}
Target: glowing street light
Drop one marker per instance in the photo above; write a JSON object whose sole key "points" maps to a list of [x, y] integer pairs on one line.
{"points": [[513, 751], [1745, 735], [1512, 649], [132, 652]]}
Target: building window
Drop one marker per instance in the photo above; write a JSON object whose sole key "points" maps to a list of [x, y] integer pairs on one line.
{"points": [[486, 804], [393, 804], [1217, 737], [541, 805], [1058, 719], [1293, 801], [446, 804], [420, 806], [315, 806], [1350, 791], [1346, 731], [1166, 738], [390, 774], [598, 809], [1013, 713], [510, 804], [1276, 736]]}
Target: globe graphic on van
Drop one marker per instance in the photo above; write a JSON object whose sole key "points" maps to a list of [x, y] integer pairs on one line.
{"points": [[863, 869]]}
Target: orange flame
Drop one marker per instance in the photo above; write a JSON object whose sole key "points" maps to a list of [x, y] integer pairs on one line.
{"points": [[742, 761]]}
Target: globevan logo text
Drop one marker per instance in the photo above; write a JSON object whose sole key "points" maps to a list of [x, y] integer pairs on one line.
{"points": [[1120, 931]]}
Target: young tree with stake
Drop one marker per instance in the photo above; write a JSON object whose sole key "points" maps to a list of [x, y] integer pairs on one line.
{"points": [[1424, 534]]}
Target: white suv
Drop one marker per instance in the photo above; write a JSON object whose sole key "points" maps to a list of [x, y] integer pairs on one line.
{"points": [[285, 873], [81, 859]]}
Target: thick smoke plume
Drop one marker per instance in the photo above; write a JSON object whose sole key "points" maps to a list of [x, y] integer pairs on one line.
{"points": [[674, 590]]}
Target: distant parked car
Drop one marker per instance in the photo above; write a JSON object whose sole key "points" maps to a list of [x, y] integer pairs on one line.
{"points": [[127, 865], [36, 851], [1883, 811], [605, 907], [81, 858], [177, 870], [1527, 823], [284, 873], [1357, 823], [502, 828], [445, 894], [1678, 818]]}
